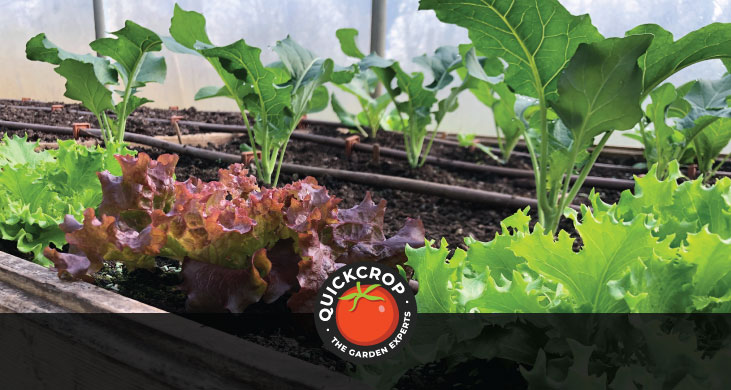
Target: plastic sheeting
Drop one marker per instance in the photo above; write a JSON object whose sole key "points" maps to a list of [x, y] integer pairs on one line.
{"points": [[69, 23]]}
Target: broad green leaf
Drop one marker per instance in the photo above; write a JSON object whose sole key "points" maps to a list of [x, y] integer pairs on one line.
{"points": [[319, 100], [650, 193], [496, 254], [211, 92], [514, 295], [610, 249], [176, 47], [483, 69], [358, 87], [656, 286], [481, 89], [343, 74], [307, 73], [129, 49], [39, 48], [537, 38], [244, 63], [666, 57], [441, 64], [347, 37], [710, 94], [299, 62], [344, 116], [375, 62], [712, 255], [664, 143], [188, 28], [17, 151], [448, 104], [508, 112], [695, 206], [600, 88], [711, 141], [281, 73], [82, 85], [680, 107], [707, 102], [436, 277], [420, 100], [152, 70], [133, 103], [662, 98]]}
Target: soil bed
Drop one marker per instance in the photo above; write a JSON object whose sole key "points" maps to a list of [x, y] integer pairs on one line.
{"points": [[442, 219], [139, 124]]}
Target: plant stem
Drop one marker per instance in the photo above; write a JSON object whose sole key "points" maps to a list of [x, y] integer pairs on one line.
{"points": [[543, 206], [500, 142], [266, 174], [644, 139], [718, 166], [566, 181], [103, 128], [281, 156], [428, 146], [509, 149], [580, 179], [122, 116], [252, 141], [108, 127], [661, 165], [533, 158]]}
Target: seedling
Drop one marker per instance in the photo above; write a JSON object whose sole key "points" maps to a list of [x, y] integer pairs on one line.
{"points": [[594, 85], [89, 77], [275, 96], [691, 123], [363, 87]]}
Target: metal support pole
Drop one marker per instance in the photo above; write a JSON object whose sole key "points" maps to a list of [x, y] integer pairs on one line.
{"points": [[378, 32], [99, 28]]}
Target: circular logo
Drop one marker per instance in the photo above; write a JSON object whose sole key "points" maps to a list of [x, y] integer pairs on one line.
{"points": [[364, 312]]}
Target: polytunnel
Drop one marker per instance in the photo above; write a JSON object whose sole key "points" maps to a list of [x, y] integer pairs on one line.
{"points": [[400, 194]]}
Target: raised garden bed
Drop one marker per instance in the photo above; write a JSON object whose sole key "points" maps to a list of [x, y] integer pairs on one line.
{"points": [[263, 249], [442, 217], [163, 351]]}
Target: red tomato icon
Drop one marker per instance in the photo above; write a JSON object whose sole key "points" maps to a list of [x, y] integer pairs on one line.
{"points": [[366, 315]]}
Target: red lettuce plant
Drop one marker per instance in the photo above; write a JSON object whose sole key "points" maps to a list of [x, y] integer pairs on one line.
{"points": [[238, 243]]}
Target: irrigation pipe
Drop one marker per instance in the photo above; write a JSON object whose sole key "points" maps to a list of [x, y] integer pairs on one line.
{"points": [[485, 139], [399, 183], [611, 183], [443, 162]]}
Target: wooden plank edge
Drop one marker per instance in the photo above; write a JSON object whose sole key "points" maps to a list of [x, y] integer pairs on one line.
{"points": [[74, 297], [186, 353]]}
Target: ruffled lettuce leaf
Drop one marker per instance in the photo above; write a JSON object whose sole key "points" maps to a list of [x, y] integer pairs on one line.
{"points": [[41, 187], [239, 243], [663, 249]]}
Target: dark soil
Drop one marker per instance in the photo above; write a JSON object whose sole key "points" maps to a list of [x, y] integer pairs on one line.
{"points": [[452, 220], [138, 123]]}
